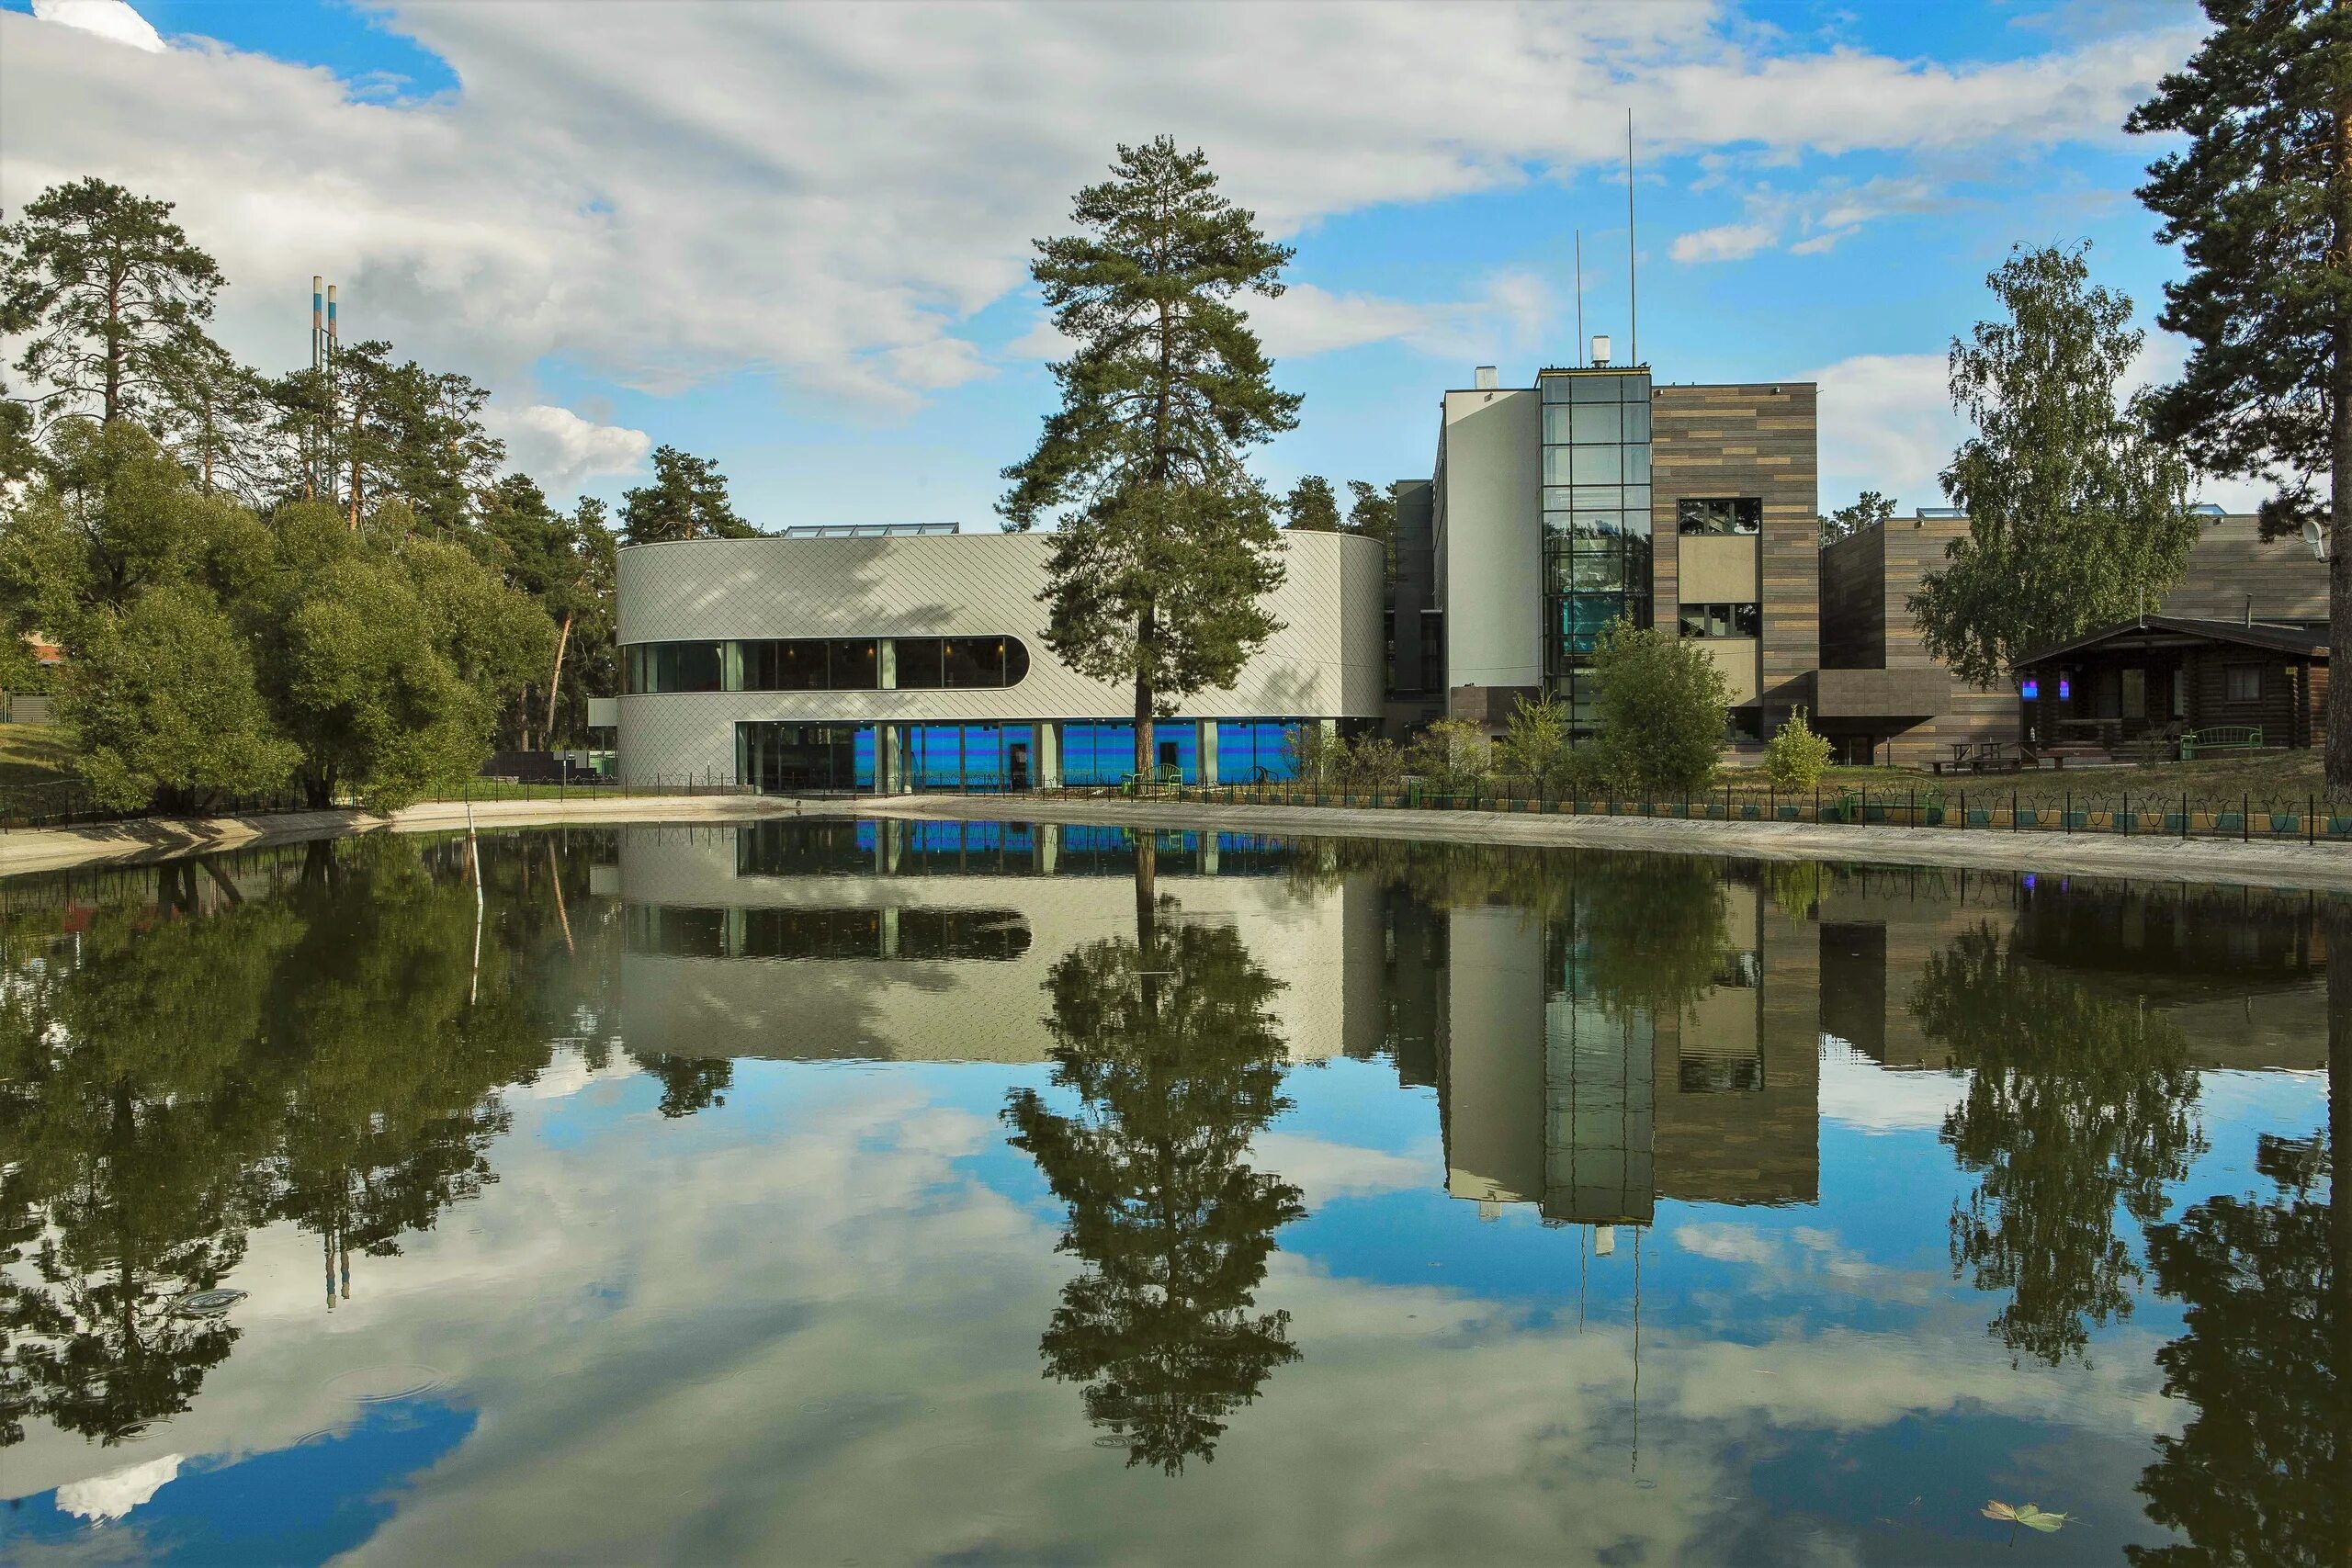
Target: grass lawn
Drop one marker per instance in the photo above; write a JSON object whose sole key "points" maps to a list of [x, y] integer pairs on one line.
{"points": [[2275, 775], [33, 754]]}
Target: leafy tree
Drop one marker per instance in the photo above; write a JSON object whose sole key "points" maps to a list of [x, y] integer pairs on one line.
{"points": [[2078, 1103], [1795, 757], [688, 1083], [1311, 507], [1867, 510], [2260, 202], [1165, 545], [587, 650], [1534, 744], [1654, 931], [2077, 516], [162, 706], [385, 655], [109, 294], [687, 500], [1168, 1043], [1663, 705]]}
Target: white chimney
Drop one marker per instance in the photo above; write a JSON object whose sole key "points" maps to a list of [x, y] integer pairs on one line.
{"points": [[1601, 348], [1483, 380]]}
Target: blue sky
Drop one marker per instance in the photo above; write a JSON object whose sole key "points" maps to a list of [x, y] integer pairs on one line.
{"points": [[793, 239]]}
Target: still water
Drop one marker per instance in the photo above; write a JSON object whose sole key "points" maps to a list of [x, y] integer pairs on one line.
{"points": [[824, 1192]]}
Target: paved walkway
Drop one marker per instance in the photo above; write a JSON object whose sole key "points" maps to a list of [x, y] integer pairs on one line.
{"points": [[162, 838], [2319, 867]]}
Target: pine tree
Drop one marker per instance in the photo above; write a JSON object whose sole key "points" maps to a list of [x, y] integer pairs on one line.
{"points": [[1165, 544], [109, 294], [1311, 506], [2260, 201], [687, 500]]}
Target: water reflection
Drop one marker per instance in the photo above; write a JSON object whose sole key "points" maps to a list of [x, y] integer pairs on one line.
{"points": [[196, 1058], [1170, 1045]]}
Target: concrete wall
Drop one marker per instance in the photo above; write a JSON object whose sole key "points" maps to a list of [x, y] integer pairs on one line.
{"points": [[1325, 662], [1490, 473]]}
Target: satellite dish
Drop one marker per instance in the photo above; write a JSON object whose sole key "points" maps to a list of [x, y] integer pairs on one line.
{"points": [[2316, 538]]}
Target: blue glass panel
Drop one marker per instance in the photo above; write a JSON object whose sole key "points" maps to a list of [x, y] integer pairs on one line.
{"points": [[862, 764], [983, 757], [935, 759], [1235, 761]]}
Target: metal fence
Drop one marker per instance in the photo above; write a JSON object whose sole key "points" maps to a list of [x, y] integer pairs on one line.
{"points": [[2020, 809]]}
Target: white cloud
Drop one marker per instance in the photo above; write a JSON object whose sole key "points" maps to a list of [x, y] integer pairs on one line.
{"points": [[1726, 241], [666, 195], [110, 19], [1887, 424], [108, 1498], [1727, 1243], [560, 449]]}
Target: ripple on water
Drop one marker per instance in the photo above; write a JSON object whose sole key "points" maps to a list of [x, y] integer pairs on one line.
{"points": [[206, 1303], [384, 1383]]}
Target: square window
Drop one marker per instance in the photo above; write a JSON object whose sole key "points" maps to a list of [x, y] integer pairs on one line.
{"points": [[1599, 464], [2242, 683], [1595, 422]]}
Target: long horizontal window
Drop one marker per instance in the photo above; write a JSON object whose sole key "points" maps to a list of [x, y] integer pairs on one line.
{"points": [[825, 664], [1722, 620], [1737, 514]]}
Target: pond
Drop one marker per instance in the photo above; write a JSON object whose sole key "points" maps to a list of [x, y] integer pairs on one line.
{"points": [[831, 1191]]}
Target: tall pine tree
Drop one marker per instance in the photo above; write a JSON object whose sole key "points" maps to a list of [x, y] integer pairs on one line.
{"points": [[2260, 201], [1166, 544]]}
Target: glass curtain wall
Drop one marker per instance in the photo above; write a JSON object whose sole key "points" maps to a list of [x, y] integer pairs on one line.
{"points": [[976, 759], [1596, 521], [790, 758]]}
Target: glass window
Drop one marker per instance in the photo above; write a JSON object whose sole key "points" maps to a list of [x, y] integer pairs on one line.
{"points": [[919, 665], [1556, 465], [1556, 426], [1606, 496], [1557, 498], [1694, 620], [983, 757], [1558, 524], [1597, 570], [1593, 526], [855, 665], [1748, 620], [1016, 661], [1599, 464], [1738, 516], [1592, 423], [1556, 388], [1637, 421], [1637, 465], [633, 670], [973, 661], [689, 666], [2135, 694], [2242, 683], [1593, 388]]}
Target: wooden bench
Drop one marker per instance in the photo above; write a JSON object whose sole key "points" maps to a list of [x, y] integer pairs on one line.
{"points": [[2221, 738]]}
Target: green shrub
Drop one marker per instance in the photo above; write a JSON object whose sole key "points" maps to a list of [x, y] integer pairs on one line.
{"points": [[1663, 703], [1375, 763], [1795, 757], [1450, 755], [1535, 746]]}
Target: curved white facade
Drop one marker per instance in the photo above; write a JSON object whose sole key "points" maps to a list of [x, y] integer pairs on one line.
{"points": [[1325, 663]]}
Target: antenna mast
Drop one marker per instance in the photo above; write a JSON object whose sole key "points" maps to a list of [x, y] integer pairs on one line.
{"points": [[1580, 346], [1632, 310]]}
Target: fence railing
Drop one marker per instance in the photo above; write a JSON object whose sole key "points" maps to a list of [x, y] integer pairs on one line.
{"points": [[2122, 813]]}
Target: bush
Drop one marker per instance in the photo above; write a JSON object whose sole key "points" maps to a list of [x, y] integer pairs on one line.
{"points": [[1663, 704], [1316, 756], [1535, 745], [1795, 757], [1373, 763], [1450, 755]]}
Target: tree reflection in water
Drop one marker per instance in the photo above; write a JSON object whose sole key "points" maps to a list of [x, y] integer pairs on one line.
{"points": [[173, 1080], [2076, 1103], [2262, 1473], [1168, 1042]]}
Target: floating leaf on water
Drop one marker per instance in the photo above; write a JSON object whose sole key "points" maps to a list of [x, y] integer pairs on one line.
{"points": [[2026, 1514], [206, 1303]]}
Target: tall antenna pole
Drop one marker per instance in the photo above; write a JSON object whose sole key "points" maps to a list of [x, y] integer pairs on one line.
{"points": [[1632, 310], [1580, 346], [318, 368]]}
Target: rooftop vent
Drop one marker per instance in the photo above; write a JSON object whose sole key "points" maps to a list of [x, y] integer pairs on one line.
{"points": [[1925, 513], [1483, 380], [1601, 348], [870, 530]]}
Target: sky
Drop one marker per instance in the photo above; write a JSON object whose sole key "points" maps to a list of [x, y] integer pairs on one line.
{"points": [[795, 239]]}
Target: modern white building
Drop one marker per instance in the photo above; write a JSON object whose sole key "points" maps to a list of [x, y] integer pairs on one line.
{"points": [[881, 660]]}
